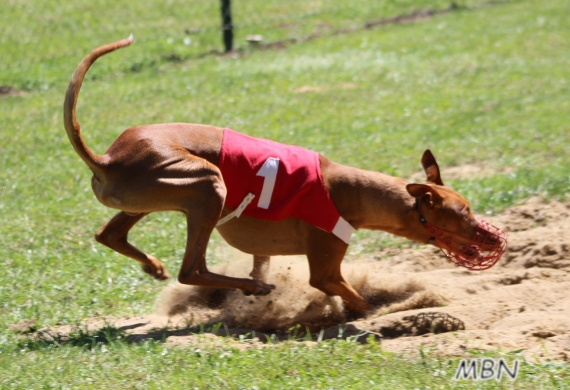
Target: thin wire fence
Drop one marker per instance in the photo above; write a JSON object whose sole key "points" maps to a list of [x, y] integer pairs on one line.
{"points": [[45, 40]]}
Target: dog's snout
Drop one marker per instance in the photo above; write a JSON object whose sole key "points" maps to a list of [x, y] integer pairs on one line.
{"points": [[492, 239], [481, 252]]}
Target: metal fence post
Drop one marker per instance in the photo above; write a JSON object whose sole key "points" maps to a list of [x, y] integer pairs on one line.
{"points": [[227, 28]]}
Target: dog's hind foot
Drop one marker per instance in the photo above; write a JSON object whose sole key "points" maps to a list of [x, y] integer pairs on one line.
{"points": [[259, 288], [157, 270]]}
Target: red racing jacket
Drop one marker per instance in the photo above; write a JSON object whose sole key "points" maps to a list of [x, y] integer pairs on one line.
{"points": [[286, 181]]}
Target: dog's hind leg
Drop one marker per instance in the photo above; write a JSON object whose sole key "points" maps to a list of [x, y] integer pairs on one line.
{"points": [[203, 209], [114, 235]]}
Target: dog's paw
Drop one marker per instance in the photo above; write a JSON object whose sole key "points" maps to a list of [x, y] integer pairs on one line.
{"points": [[157, 271], [259, 288]]}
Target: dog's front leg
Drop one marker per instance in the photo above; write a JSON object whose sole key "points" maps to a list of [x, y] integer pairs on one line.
{"points": [[260, 270], [114, 235], [325, 253]]}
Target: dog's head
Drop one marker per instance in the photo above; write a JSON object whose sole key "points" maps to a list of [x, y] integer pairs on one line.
{"points": [[451, 225]]}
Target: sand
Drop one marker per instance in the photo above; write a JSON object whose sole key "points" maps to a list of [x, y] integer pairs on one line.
{"points": [[421, 300]]}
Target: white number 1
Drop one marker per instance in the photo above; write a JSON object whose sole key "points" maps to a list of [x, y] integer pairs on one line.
{"points": [[269, 171]]}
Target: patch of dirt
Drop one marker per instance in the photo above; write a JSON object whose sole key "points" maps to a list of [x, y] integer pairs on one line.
{"points": [[421, 300], [24, 326], [9, 91]]}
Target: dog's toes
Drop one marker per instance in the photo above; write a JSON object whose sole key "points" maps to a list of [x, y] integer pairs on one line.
{"points": [[159, 273], [358, 310], [259, 289], [270, 287], [265, 289], [165, 275]]}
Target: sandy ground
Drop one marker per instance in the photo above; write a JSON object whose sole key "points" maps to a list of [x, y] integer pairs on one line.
{"points": [[421, 300]]}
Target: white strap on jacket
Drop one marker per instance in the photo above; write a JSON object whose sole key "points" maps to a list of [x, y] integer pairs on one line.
{"points": [[237, 212], [343, 230]]}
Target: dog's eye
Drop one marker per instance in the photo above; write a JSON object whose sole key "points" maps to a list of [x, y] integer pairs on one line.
{"points": [[467, 213]]}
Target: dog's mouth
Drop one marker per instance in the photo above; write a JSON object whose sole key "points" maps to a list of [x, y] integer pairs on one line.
{"points": [[478, 253]]}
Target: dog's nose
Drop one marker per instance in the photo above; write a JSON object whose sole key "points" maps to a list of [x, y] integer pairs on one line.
{"points": [[491, 239]]}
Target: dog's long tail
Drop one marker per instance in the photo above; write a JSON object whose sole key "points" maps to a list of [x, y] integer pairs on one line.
{"points": [[93, 161]]}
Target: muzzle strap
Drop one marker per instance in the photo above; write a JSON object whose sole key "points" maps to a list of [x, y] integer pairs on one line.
{"points": [[478, 253]]}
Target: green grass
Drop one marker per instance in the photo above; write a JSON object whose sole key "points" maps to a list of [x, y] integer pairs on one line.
{"points": [[46, 37], [488, 87], [115, 363]]}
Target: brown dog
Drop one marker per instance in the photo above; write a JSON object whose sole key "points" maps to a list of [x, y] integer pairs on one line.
{"points": [[177, 167]]}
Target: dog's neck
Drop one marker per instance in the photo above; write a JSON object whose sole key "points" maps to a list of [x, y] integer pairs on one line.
{"points": [[373, 200]]}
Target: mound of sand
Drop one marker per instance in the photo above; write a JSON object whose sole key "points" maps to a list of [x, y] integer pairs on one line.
{"points": [[420, 299]]}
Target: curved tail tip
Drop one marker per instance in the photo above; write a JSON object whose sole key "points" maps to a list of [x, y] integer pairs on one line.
{"points": [[130, 39]]}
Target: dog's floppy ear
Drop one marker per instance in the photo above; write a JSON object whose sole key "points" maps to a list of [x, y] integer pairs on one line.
{"points": [[431, 168], [426, 193]]}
